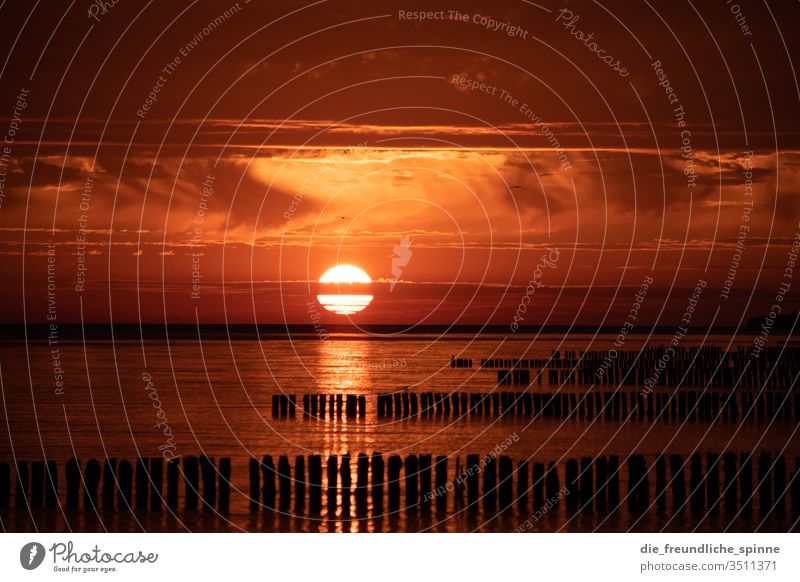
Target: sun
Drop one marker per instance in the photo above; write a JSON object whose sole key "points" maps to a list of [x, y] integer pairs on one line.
{"points": [[344, 289]]}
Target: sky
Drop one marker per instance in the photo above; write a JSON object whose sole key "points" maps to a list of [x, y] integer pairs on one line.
{"points": [[209, 161]]}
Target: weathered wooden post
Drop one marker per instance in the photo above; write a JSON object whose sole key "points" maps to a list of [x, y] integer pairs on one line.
{"points": [[441, 483], [73, 471], [425, 481], [506, 488], [51, 485], [173, 473], [125, 479], [255, 484], [5, 484], [37, 483], [224, 484], [729, 474], [395, 464], [268, 487], [411, 480], [191, 482], [91, 481], [209, 473], [284, 483], [299, 484], [333, 480], [156, 482], [21, 490], [678, 482], [142, 484], [315, 483], [377, 483]]}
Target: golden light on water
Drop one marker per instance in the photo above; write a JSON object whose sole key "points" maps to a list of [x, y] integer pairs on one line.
{"points": [[344, 279]]}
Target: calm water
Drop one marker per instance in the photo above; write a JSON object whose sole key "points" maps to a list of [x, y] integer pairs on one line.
{"points": [[215, 396]]}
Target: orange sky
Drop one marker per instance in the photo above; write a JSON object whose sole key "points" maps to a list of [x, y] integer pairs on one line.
{"points": [[329, 134]]}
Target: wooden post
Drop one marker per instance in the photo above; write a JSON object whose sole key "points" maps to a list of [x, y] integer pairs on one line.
{"points": [[678, 482], [333, 480], [156, 482], [209, 473], [315, 483], [395, 464], [472, 481], [522, 487], [551, 481], [347, 484], [91, 481], [506, 487], [729, 474], [142, 484], [109, 483], [255, 484], [441, 483], [411, 480], [37, 484], [362, 478], [571, 484], [173, 474], [125, 479], [21, 490], [586, 480], [613, 482], [191, 482], [712, 481], [661, 483], [73, 471], [780, 484], [696, 492], [51, 485], [299, 484], [377, 484], [425, 481], [5, 484], [284, 483], [224, 484], [765, 482], [538, 486], [268, 482], [746, 481], [601, 484]]}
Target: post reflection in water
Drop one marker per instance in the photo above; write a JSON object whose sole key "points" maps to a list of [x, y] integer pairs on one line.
{"points": [[344, 368]]}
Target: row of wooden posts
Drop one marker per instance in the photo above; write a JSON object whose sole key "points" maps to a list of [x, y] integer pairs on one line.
{"points": [[591, 405], [120, 484], [694, 366], [720, 483]]}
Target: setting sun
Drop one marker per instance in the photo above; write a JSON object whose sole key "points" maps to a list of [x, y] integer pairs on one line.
{"points": [[345, 300]]}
